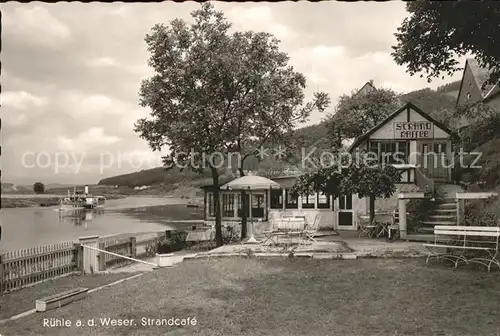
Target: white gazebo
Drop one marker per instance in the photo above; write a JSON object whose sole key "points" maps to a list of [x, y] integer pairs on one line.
{"points": [[251, 183]]}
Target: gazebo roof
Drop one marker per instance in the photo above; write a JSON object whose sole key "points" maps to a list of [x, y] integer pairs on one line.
{"points": [[285, 182], [252, 182]]}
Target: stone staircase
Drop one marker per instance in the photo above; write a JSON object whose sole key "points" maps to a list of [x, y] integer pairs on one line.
{"points": [[444, 214]]}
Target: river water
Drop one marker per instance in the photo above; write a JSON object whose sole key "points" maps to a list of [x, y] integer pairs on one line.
{"points": [[28, 227]]}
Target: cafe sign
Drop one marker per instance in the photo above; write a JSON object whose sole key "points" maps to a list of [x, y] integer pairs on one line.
{"points": [[413, 130]]}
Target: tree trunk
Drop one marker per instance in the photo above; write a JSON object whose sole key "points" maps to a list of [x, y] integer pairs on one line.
{"points": [[372, 207], [218, 221], [244, 209]]}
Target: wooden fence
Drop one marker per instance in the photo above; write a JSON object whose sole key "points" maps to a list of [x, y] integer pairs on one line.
{"points": [[138, 246], [25, 267], [28, 266]]}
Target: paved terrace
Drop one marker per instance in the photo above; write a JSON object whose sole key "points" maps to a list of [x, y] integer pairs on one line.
{"points": [[329, 247], [325, 247]]}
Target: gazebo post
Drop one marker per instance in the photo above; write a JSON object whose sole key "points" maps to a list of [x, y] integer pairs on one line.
{"points": [[251, 239]]}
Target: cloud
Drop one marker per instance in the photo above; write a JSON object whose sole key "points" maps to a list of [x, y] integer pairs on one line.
{"points": [[93, 138], [21, 100], [259, 18], [36, 25], [102, 62]]}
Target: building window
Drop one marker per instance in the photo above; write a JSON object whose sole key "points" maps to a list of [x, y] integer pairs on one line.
{"points": [[323, 201], [390, 152], [227, 205], [345, 202], [291, 201], [276, 199], [308, 201], [211, 208]]}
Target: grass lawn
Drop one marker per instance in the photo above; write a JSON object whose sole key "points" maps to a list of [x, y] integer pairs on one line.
{"points": [[290, 297], [24, 299]]}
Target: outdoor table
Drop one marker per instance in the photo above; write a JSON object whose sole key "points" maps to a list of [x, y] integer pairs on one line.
{"points": [[201, 235], [291, 224]]}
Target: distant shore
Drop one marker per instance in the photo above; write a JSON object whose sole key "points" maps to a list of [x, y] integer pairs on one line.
{"points": [[37, 200], [190, 194]]}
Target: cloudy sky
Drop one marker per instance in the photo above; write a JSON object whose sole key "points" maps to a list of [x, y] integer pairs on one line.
{"points": [[71, 73]]}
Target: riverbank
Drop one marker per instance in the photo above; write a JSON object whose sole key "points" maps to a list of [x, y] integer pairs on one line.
{"points": [[41, 200]]}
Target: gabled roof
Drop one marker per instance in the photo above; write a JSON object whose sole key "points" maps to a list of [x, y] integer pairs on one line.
{"points": [[365, 136], [368, 86], [481, 75]]}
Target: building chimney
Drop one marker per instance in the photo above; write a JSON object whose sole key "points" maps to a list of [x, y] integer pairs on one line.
{"points": [[86, 189]]}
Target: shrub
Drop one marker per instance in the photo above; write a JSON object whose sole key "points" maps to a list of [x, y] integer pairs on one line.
{"points": [[482, 212], [173, 242], [419, 210]]}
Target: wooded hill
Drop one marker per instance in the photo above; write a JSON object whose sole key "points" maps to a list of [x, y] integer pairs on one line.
{"points": [[438, 103]]}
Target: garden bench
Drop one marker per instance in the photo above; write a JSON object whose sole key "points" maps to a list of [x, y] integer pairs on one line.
{"points": [[458, 242]]}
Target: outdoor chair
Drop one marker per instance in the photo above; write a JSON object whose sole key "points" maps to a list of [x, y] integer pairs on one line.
{"points": [[311, 230], [382, 221], [366, 228], [270, 233]]}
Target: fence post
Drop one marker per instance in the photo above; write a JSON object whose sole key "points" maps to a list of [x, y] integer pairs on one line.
{"points": [[78, 251], [133, 249], [402, 216], [101, 257], [90, 260], [1, 274]]}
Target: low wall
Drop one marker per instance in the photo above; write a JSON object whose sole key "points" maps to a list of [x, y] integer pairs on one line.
{"points": [[474, 195]]}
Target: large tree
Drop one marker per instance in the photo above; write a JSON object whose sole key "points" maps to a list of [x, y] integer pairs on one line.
{"points": [[215, 91], [437, 31], [357, 113]]}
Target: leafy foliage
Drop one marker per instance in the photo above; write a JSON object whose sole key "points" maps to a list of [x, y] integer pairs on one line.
{"points": [[483, 125], [482, 212], [367, 181], [39, 188], [243, 93], [363, 180], [326, 180], [437, 31], [357, 113]]}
